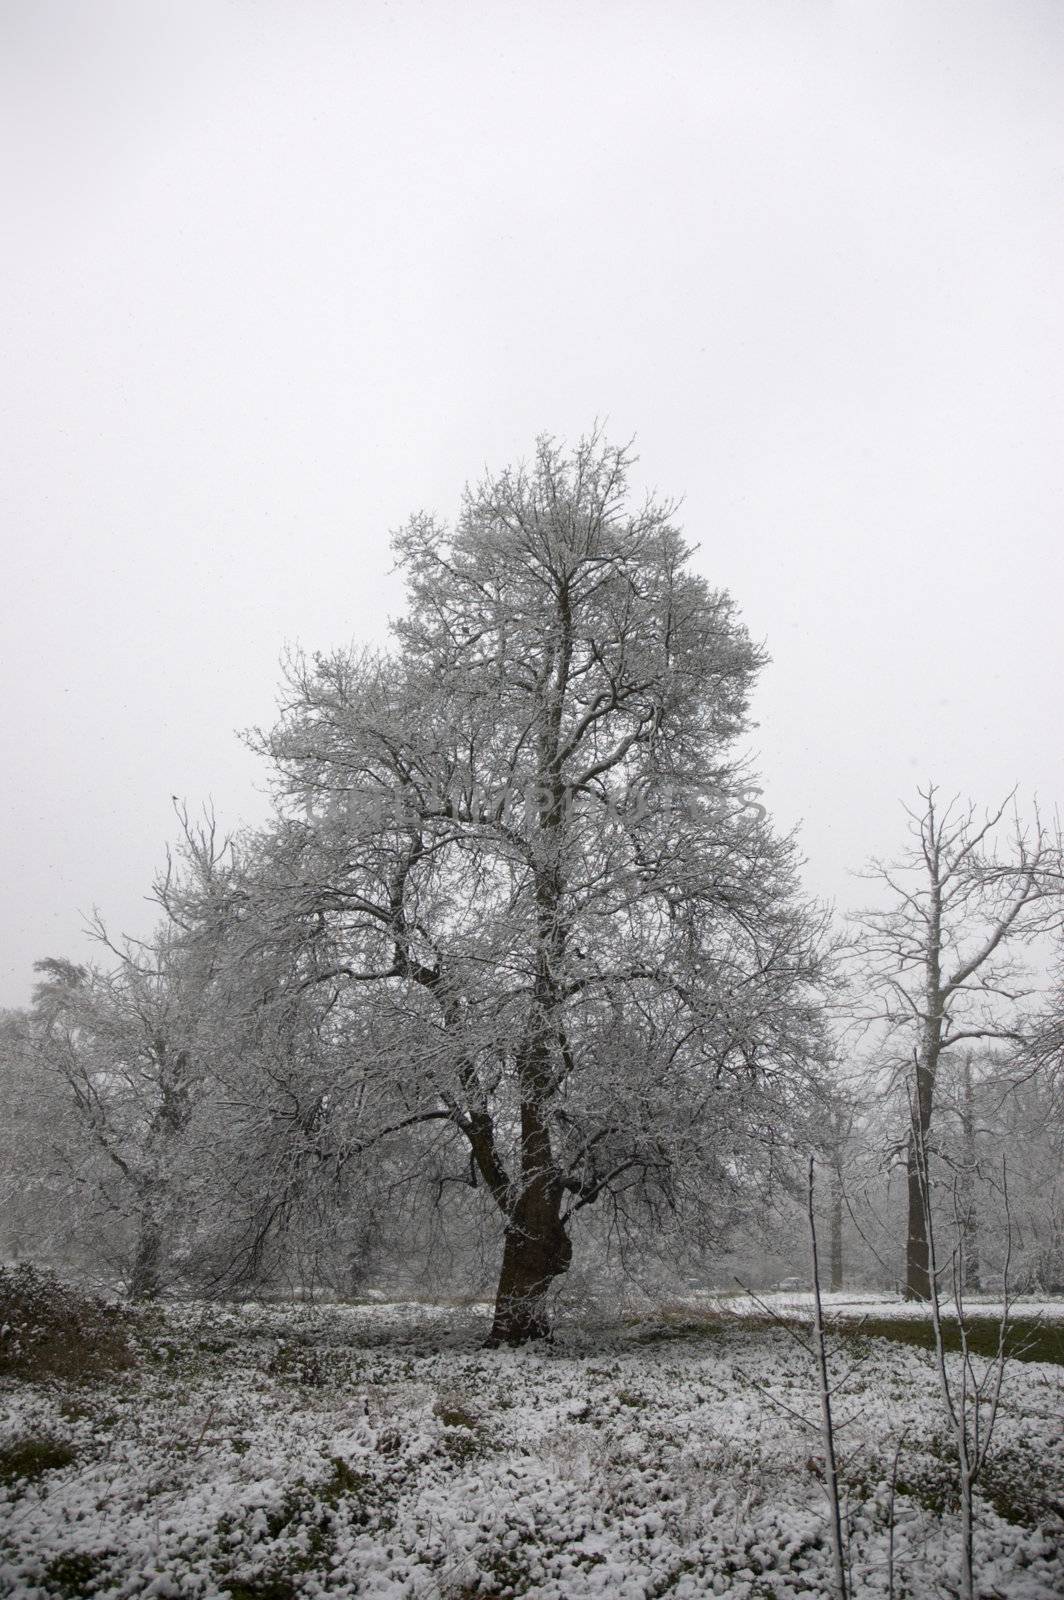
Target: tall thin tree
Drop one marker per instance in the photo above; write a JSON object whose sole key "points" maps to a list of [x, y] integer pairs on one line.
{"points": [[940, 965]]}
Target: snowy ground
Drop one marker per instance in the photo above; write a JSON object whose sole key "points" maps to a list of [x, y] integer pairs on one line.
{"points": [[268, 1452], [851, 1305]]}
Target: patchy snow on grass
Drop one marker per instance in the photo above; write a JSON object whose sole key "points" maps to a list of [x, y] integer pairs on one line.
{"points": [[851, 1305], [264, 1452]]}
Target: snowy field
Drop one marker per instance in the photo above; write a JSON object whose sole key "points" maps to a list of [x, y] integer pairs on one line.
{"points": [[266, 1452]]}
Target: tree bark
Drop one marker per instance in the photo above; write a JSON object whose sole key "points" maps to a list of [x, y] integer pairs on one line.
{"points": [[836, 1268], [969, 1219], [917, 1255], [536, 1247], [917, 1248], [144, 1282], [535, 1252]]}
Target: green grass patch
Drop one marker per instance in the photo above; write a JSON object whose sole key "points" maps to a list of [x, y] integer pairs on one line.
{"points": [[1026, 1339], [266, 1585], [32, 1458]]}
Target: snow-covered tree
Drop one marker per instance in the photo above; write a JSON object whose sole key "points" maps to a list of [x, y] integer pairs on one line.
{"points": [[123, 1046], [519, 859], [118, 1039]]}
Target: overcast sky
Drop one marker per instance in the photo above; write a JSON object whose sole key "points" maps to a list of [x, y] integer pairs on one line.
{"points": [[277, 275]]}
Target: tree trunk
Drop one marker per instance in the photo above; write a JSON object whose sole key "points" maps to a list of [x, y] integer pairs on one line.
{"points": [[917, 1257], [917, 1250], [536, 1248], [969, 1216], [144, 1279], [836, 1230], [536, 1251]]}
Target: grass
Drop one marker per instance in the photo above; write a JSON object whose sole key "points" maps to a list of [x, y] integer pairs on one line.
{"points": [[1026, 1339], [1023, 1488], [31, 1458], [74, 1576], [265, 1586]]}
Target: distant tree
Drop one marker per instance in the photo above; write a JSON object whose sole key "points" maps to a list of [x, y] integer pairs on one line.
{"points": [[520, 860], [939, 966], [124, 1044], [114, 1041], [30, 1184], [837, 1143], [1017, 1112]]}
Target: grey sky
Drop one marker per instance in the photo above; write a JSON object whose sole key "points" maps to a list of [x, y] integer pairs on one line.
{"points": [[278, 275]]}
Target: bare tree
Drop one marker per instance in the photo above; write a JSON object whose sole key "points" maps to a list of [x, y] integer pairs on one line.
{"points": [[522, 861], [970, 1400], [940, 967], [126, 1039], [1017, 1109], [1035, 1105], [37, 1186], [114, 1040]]}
